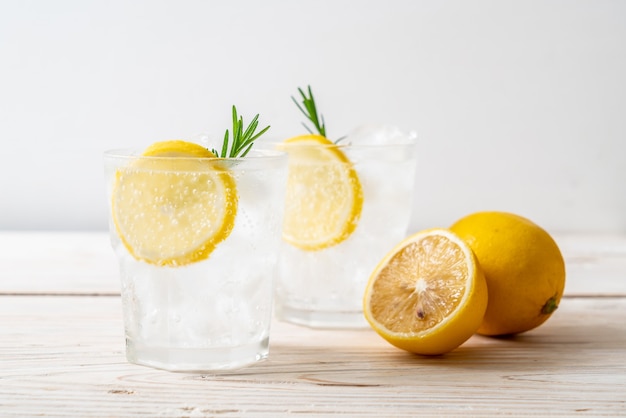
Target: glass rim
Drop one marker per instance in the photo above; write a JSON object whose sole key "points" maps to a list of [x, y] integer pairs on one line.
{"points": [[135, 154], [280, 144]]}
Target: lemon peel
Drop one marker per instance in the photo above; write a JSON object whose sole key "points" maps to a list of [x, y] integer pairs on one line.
{"points": [[523, 265]]}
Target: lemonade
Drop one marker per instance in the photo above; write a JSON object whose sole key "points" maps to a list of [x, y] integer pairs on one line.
{"points": [[197, 240], [347, 205]]}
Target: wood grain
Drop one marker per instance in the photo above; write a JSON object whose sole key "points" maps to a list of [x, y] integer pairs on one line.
{"points": [[83, 263], [57, 263], [63, 357], [62, 351]]}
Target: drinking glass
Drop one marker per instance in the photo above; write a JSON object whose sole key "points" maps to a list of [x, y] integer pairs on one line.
{"points": [[322, 286], [192, 303]]}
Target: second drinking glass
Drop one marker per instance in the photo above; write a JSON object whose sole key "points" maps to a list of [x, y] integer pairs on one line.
{"points": [[346, 207]]}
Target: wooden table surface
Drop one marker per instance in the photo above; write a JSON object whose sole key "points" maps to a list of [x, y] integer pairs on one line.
{"points": [[62, 351]]}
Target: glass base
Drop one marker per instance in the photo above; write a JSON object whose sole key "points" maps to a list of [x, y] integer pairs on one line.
{"points": [[322, 319], [196, 359]]}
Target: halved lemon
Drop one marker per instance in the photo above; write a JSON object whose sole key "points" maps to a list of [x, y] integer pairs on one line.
{"points": [[324, 196], [428, 295], [173, 207]]}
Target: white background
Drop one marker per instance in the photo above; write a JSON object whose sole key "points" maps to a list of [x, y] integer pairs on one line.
{"points": [[519, 105]]}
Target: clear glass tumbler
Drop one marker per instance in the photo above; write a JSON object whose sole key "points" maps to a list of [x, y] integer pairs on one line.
{"points": [[197, 241], [343, 214]]}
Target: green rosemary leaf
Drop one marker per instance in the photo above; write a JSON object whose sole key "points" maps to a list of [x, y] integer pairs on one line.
{"points": [[242, 138], [309, 109], [225, 144]]}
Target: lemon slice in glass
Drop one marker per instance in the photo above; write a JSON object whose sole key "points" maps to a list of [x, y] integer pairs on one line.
{"points": [[324, 197], [428, 295], [173, 205]]}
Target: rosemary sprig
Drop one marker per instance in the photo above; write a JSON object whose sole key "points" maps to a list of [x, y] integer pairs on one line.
{"points": [[242, 139], [309, 109]]}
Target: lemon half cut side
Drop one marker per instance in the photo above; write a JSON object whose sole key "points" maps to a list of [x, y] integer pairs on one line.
{"points": [[324, 196], [428, 294], [173, 205]]}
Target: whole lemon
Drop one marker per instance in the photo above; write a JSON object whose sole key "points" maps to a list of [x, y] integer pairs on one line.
{"points": [[523, 266]]}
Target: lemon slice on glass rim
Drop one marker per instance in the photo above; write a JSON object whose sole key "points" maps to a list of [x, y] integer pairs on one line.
{"points": [[428, 295], [173, 205], [324, 197]]}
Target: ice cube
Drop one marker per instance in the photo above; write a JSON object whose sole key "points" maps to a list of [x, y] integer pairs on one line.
{"points": [[379, 135], [207, 140]]}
